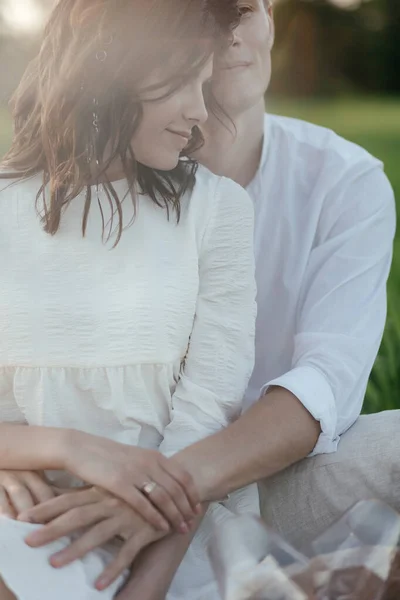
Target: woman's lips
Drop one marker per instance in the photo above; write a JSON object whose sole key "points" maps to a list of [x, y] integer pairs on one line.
{"points": [[183, 136]]}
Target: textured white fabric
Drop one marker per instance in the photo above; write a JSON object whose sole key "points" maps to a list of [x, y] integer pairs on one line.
{"points": [[97, 339], [27, 573], [324, 227]]}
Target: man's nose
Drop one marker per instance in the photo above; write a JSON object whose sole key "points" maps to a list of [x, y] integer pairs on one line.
{"points": [[235, 38]]}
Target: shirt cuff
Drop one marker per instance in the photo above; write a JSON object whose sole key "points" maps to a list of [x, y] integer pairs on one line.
{"points": [[311, 387]]}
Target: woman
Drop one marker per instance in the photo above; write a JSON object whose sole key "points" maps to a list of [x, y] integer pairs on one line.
{"points": [[128, 298]]}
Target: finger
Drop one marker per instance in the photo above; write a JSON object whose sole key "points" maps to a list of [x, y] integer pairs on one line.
{"points": [[185, 480], [59, 491], [6, 510], [98, 535], [66, 524], [18, 494], [137, 500], [177, 494], [169, 498], [40, 490], [49, 510], [123, 560]]}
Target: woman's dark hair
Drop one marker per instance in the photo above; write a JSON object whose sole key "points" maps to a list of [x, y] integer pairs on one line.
{"points": [[78, 105]]}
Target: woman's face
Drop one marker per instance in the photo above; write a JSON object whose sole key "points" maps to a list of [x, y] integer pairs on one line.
{"points": [[166, 125]]}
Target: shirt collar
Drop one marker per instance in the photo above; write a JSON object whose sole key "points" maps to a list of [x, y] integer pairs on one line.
{"points": [[266, 141], [264, 152]]}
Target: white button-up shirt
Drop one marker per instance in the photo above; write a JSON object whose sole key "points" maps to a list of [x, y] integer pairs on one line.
{"points": [[325, 223]]}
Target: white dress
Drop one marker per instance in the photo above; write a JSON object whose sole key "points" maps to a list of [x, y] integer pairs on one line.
{"points": [[96, 338]]}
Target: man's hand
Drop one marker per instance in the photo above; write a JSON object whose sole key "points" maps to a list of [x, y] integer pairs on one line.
{"points": [[100, 518], [22, 490]]}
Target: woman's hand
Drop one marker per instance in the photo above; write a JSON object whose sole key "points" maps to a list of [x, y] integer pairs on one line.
{"points": [[125, 470], [100, 518], [22, 490]]}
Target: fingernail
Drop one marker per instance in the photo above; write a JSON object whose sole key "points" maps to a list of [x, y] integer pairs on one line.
{"points": [[102, 583], [55, 561], [25, 518], [31, 539], [184, 528]]}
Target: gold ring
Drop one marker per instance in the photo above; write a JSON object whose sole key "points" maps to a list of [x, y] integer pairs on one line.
{"points": [[149, 487]]}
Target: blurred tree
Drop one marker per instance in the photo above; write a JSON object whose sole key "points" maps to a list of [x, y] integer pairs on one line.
{"points": [[321, 48], [324, 49], [391, 44], [313, 38]]}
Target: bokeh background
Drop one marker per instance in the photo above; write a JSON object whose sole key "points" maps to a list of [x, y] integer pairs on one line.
{"points": [[336, 63]]}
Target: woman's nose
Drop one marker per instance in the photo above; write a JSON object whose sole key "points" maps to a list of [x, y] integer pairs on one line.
{"points": [[196, 110]]}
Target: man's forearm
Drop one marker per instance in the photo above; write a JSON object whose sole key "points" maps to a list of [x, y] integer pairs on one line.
{"points": [[273, 434]]}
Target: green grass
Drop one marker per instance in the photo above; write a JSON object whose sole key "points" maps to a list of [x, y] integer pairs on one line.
{"points": [[374, 124]]}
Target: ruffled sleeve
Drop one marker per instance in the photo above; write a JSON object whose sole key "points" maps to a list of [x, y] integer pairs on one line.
{"points": [[220, 356]]}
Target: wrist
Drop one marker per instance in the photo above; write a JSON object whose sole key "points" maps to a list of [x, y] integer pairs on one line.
{"points": [[204, 474], [69, 439]]}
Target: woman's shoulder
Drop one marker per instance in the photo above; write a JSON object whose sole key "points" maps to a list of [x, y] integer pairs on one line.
{"points": [[17, 199], [220, 193], [219, 208], [11, 185]]}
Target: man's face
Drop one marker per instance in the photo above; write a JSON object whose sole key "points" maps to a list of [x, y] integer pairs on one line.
{"points": [[242, 71]]}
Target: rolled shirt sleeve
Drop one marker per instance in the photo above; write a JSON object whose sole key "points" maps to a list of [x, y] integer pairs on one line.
{"points": [[220, 355], [343, 304]]}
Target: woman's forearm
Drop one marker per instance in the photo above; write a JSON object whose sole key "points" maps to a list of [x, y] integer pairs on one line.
{"points": [[32, 448], [273, 434], [155, 568]]}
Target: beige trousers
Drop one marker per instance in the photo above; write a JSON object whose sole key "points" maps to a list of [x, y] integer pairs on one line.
{"points": [[306, 498]]}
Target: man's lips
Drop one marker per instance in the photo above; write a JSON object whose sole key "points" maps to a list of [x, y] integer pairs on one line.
{"points": [[238, 65]]}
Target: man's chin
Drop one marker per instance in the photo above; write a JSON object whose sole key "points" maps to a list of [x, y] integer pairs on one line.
{"points": [[235, 106], [237, 98]]}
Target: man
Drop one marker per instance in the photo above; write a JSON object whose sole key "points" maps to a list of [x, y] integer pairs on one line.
{"points": [[325, 222]]}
